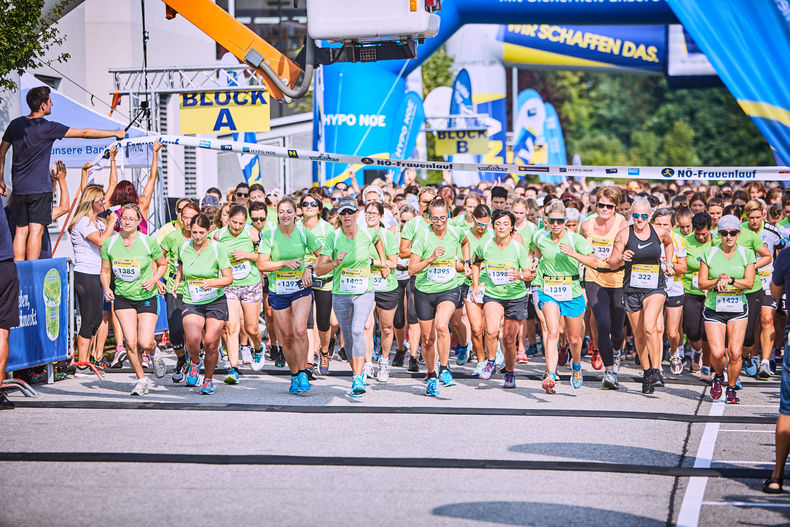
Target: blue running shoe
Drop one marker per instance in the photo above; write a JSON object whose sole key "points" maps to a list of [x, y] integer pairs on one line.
{"points": [[738, 385], [446, 378], [295, 389], [749, 367], [357, 386], [463, 355], [532, 350], [193, 372], [576, 379], [432, 389], [510, 380], [304, 382], [704, 373], [232, 377], [208, 388]]}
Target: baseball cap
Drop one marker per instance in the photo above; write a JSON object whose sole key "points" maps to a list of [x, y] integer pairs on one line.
{"points": [[347, 204], [729, 223], [209, 200]]}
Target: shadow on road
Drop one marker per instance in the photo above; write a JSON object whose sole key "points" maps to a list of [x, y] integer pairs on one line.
{"points": [[604, 453]]}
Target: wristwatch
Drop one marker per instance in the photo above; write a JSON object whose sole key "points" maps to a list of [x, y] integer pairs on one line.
{"points": [[468, 262], [732, 280]]}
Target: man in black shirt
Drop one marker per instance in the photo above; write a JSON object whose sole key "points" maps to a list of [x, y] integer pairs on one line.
{"points": [[32, 137]]}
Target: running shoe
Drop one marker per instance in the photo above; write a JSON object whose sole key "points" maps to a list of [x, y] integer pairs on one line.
{"points": [[398, 359], [577, 379], [258, 360], [232, 377], [617, 359], [500, 358], [564, 356], [118, 358], [675, 364], [342, 353], [446, 378], [532, 350], [146, 361], [510, 380], [323, 365], [208, 387], [141, 387], [304, 382], [764, 372], [181, 368], [715, 389], [479, 368], [463, 356], [279, 361], [413, 364], [749, 366], [357, 386], [488, 370], [732, 396], [432, 388], [294, 389], [83, 372], [246, 355], [647, 384], [309, 369], [609, 381], [657, 379], [159, 364], [738, 384], [597, 362], [704, 373], [521, 357], [367, 372], [383, 374], [193, 372], [548, 382]]}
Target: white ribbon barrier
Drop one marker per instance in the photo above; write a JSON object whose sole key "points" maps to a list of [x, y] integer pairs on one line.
{"points": [[767, 173]]}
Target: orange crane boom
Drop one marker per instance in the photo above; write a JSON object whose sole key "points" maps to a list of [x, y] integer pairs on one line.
{"points": [[238, 39]]}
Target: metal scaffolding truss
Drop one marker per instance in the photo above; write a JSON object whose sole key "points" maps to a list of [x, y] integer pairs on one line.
{"points": [[175, 79]]}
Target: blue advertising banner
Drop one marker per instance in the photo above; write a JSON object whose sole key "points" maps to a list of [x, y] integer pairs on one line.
{"points": [[161, 322], [552, 130], [748, 43], [42, 335], [406, 126]]}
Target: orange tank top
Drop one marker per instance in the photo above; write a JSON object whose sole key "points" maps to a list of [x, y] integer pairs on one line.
{"points": [[602, 245]]}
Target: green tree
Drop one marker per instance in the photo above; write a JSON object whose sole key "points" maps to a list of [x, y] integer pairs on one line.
{"points": [[25, 37], [677, 145]]}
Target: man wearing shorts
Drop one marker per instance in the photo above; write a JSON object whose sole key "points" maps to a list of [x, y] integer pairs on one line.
{"points": [[9, 301]]}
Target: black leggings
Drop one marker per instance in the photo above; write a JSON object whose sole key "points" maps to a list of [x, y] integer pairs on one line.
{"points": [[755, 302], [400, 312], [608, 307], [90, 295], [693, 324], [174, 320], [323, 308]]}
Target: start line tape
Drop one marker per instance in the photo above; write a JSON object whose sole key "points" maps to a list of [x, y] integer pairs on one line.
{"points": [[767, 173]]}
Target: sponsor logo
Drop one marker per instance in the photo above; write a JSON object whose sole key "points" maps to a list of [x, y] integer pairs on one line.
{"points": [[175, 141], [532, 168], [205, 144], [292, 153], [227, 147], [532, 112], [245, 149], [324, 157], [720, 173], [350, 119], [633, 171], [367, 160], [491, 168], [668, 172], [642, 246], [579, 170], [611, 171], [563, 169]]}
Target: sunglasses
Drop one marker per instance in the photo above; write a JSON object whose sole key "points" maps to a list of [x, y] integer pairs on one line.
{"points": [[178, 210], [638, 216], [335, 199], [256, 219], [556, 221], [483, 224], [340, 188], [347, 212], [729, 233], [309, 204], [438, 219], [605, 206]]}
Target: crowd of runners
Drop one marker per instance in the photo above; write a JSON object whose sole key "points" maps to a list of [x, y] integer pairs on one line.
{"points": [[427, 278]]}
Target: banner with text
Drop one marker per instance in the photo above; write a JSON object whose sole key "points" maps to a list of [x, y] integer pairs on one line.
{"points": [[223, 112]]}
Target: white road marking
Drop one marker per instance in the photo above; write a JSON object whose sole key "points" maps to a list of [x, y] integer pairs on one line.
{"points": [[746, 504], [750, 431], [695, 491]]}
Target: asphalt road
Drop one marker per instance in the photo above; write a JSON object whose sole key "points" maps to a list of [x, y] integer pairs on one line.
{"points": [[85, 452]]}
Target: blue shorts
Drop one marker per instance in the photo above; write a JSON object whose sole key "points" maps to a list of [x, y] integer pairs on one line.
{"points": [[279, 302], [784, 390], [568, 308]]}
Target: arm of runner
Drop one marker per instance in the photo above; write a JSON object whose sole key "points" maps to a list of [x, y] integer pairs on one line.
{"points": [[465, 248], [266, 265], [416, 265], [476, 277], [705, 283], [669, 251], [619, 255], [104, 276], [747, 282], [405, 248], [224, 281], [385, 270], [764, 257], [177, 281], [161, 269], [148, 190], [113, 181], [323, 265]]}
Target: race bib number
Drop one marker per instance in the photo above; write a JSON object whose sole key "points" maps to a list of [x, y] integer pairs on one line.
{"points": [[602, 248], [499, 273], [287, 282], [442, 270], [765, 278], [558, 287], [379, 282], [695, 280], [730, 301], [197, 293], [354, 281], [481, 290], [240, 268], [126, 269], [644, 276]]}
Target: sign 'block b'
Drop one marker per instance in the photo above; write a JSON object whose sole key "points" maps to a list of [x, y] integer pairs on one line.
{"points": [[452, 142], [224, 112]]}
